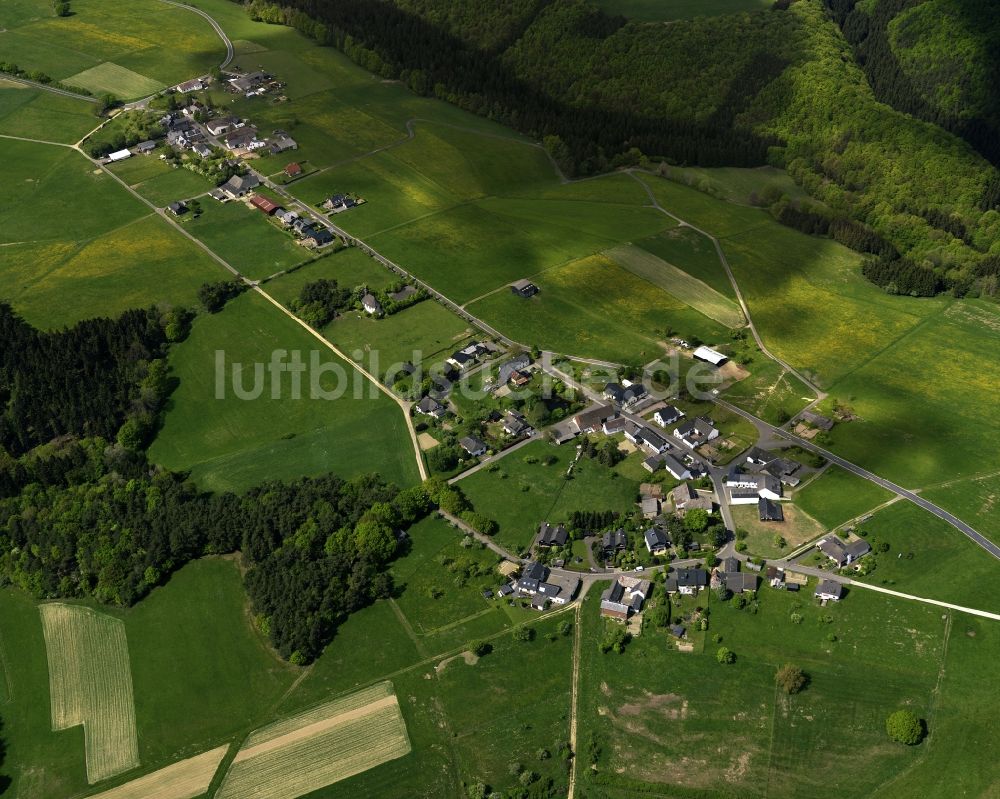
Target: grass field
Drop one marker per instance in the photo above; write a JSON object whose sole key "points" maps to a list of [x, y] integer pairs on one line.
{"points": [[106, 255], [233, 443], [662, 10], [90, 685], [974, 501], [797, 528], [520, 495], [129, 50], [186, 779], [737, 184], [678, 723], [349, 267], [159, 182], [677, 282], [838, 496], [37, 114], [246, 239], [594, 308], [692, 252], [320, 747]]}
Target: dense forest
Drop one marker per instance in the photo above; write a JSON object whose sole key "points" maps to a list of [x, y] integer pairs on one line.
{"points": [[778, 86], [102, 377], [114, 527], [936, 59]]}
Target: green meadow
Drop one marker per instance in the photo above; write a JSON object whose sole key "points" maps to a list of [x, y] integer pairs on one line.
{"points": [[659, 721], [245, 238], [837, 496], [36, 114], [974, 500], [519, 495], [349, 267], [684, 245], [159, 182], [109, 254], [232, 444], [130, 50], [186, 700]]}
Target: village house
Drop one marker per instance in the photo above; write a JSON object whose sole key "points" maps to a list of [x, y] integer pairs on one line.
{"points": [[239, 185], [667, 415], [843, 552], [739, 582], [543, 586], [293, 170], [514, 424], [769, 511], [829, 590], [177, 208], [591, 421], [710, 356], [625, 393], [650, 507], [619, 424], [287, 217], [145, 147], [281, 143], [623, 597], [515, 365], [474, 446], [656, 541], [316, 236], [687, 581], [466, 356], [687, 498], [194, 85], [822, 422], [613, 542], [248, 82], [429, 406], [371, 304], [202, 150], [676, 469], [549, 536], [524, 288], [746, 489], [221, 125], [695, 432]]}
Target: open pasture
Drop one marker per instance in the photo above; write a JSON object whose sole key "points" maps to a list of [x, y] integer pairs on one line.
{"points": [[661, 719], [159, 182], [974, 500], [38, 114], [542, 492], [186, 779], [319, 747], [90, 684], [686, 288], [350, 267], [838, 496], [594, 308], [231, 443], [244, 237], [133, 46], [925, 416], [686, 248]]}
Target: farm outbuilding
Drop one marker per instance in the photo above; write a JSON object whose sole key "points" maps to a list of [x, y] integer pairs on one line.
{"points": [[119, 155], [710, 356]]}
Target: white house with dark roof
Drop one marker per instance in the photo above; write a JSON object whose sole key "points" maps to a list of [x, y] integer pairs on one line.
{"points": [[371, 304], [695, 432], [624, 393], [656, 541], [843, 552], [829, 590], [549, 536], [429, 406], [667, 415], [677, 469], [474, 446]]}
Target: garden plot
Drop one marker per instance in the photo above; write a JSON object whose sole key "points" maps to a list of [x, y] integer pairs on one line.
{"points": [[322, 746], [90, 683]]}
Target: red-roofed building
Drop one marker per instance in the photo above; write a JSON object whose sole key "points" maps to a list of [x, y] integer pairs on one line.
{"points": [[264, 204], [293, 170]]}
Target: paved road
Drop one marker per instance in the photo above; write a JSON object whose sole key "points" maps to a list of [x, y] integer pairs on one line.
{"points": [[215, 25], [494, 458], [853, 468]]}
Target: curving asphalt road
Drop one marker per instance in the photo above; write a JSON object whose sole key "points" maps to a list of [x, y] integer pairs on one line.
{"points": [[215, 26], [853, 468]]}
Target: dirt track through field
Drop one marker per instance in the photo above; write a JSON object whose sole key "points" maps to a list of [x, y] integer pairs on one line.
{"points": [[185, 779], [315, 728]]}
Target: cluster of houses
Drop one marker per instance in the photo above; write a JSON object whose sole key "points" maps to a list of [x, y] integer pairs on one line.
{"points": [[307, 231], [542, 585], [625, 597], [337, 203], [239, 136], [471, 354], [252, 84]]}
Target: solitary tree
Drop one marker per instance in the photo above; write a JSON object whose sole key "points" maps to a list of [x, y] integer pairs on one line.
{"points": [[725, 655], [905, 727], [790, 678]]}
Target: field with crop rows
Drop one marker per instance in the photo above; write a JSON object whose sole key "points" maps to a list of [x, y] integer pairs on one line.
{"points": [[90, 683], [185, 779], [319, 747]]}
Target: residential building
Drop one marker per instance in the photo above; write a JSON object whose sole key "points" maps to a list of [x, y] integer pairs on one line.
{"points": [[221, 125], [740, 582], [549, 536], [822, 422], [509, 368], [194, 85], [474, 446], [293, 170], [371, 304], [829, 590], [650, 507], [145, 147], [687, 581], [769, 511], [625, 393], [514, 424], [677, 469], [687, 498], [843, 552], [429, 406], [281, 143], [667, 415], [177, 208], [239, 185], [613, 542], [656, 541], [695, 432]]}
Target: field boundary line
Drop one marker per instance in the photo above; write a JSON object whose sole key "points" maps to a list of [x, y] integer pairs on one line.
{"points": [[37, 141], [407, 627], [574, 698]]}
